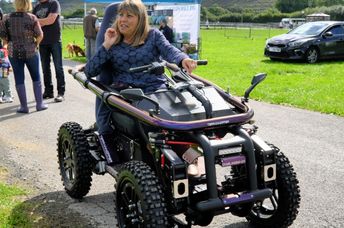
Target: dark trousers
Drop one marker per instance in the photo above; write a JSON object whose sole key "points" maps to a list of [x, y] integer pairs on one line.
{"points": [[54, 50]]}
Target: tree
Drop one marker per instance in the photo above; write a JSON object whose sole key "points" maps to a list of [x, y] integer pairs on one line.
{"points": [[326, 2], [6, 6], [288, 6]]}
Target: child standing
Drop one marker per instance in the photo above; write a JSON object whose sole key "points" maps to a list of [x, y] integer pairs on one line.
{"points": [[5, 90]]}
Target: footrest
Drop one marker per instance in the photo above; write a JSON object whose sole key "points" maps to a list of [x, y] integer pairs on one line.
{"points": [[220, 203]]}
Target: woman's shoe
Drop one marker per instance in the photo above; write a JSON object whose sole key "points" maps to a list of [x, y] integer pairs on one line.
{"points": [[37, 90], [22, 98], [23, 109]]}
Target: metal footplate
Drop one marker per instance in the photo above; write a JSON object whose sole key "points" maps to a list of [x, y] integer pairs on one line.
{"points": [[219, 203]]}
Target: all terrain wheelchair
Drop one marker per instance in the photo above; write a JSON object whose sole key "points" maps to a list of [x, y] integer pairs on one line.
{"points": [[191, 149]]}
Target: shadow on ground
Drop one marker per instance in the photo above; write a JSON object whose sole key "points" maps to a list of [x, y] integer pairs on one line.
{"points": [[49, 210], [55, 209]]}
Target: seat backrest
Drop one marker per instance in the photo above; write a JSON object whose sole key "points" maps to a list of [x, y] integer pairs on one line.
{"points": [[110, 14], [104, 77]]}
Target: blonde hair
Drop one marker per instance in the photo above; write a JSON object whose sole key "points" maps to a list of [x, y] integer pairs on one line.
{"points": [[22, 5], [137, 8]]}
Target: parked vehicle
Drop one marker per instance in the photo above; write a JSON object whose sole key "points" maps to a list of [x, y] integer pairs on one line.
{"points": [[190, 149], [311, 41], [291, 22]]}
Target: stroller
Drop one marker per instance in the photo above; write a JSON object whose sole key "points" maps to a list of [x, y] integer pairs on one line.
{"points": [[190, 149]]}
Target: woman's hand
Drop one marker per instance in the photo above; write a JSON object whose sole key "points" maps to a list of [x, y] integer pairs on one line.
{"points": [[109, 38], [189, 65]]}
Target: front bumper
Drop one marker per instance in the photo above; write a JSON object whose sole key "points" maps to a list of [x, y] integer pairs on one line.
{"points": [[284, 52]]}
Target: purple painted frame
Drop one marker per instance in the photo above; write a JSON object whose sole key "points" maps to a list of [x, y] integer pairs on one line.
{"points": [[117, 102]]}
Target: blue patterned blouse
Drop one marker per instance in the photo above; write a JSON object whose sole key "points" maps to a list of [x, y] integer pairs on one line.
{"points": [[123, 56]]}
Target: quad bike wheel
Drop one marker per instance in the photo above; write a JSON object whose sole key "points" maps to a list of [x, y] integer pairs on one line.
{"points": [[281, 208], [75, 162], [312, 55], [138, 197]]}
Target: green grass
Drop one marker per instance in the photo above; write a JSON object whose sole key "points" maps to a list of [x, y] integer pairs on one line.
{"points": [[9, 199], [234, 59], [73, 34]]}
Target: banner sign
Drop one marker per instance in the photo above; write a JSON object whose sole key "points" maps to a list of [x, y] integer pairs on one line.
{"points": [[152, 2], [186, 22]]}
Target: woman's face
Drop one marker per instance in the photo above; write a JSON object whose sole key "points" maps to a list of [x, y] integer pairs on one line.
{"points": [[127, 23]]}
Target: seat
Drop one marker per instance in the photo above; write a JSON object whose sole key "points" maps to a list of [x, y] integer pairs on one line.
{"points": [[104, 77]]}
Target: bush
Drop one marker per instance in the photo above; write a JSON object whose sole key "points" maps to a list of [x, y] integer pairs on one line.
{"points": [[79, 13], [271, 15]]}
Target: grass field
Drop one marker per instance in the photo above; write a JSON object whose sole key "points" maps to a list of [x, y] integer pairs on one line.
{"points": [[11, 197], [234, 60]]}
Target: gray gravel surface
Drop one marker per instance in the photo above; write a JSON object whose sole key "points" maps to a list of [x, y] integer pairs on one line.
{"points": [[312, 141]]}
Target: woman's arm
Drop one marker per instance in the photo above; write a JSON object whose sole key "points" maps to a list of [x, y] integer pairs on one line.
{"points": [[39, 39], [172, 54], [3, 29], [167, 51], [37, 31], [95, 65]]}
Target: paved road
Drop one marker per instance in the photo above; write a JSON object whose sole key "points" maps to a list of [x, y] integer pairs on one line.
{"points": [[312, 141]]}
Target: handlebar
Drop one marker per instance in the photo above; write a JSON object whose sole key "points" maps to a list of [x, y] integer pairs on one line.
{"points": [[158, 65], [202, 62], [140, 68]]}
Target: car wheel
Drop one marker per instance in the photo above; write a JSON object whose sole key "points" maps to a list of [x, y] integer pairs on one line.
{"points": [[312, 55]]}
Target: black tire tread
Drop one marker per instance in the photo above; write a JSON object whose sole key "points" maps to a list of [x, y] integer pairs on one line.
{"points": [[154, 207], [83, 160], [289, 196]]}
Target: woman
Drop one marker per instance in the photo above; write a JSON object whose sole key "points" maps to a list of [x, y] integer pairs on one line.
{"points": [[131, 43], [22, 32]]}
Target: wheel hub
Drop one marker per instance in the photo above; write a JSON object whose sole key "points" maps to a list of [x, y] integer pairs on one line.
{"points": [[131, 209], [68, 162]]}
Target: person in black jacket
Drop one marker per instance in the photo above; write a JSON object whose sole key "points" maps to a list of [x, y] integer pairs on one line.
{"points": [[166, 30]]}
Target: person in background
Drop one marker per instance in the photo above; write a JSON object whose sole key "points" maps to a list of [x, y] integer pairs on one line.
{"points": [[130, 42], [91, 26], [166, 30], [5, 89], [22, 32], [48, 14]]}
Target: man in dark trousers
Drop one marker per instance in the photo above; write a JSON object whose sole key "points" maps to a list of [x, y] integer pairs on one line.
{"points": [[48, 14], [166, 30]]}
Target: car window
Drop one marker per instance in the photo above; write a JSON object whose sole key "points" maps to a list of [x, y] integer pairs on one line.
{"points": [[337, 30], [310, 28]]}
